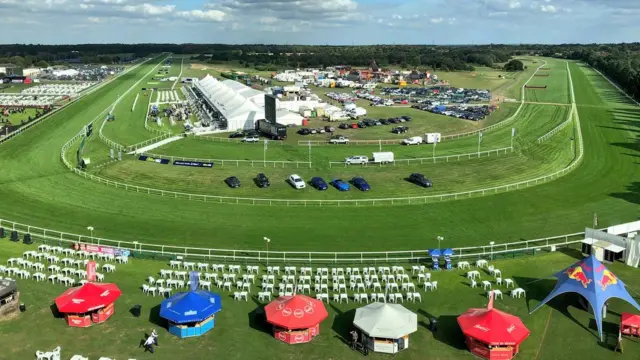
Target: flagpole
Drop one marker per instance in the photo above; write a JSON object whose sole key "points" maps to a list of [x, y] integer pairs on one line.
{"points": [[513, 134]]}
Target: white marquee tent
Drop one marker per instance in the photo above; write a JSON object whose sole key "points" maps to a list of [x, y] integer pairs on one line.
{"points": [[386, 321], [241, 105]]}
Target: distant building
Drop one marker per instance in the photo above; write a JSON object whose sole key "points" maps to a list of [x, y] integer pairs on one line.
{"points": [[10, 69], [31, 72]]}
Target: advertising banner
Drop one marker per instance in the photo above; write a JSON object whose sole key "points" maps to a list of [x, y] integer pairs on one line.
{"points": [[105, 250], [152, 159], [193, 163], [91, 271]]}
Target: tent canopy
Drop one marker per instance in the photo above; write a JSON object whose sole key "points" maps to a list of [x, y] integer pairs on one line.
{"points": [[295, 312], [388, 321], [88, 297], [447, 252], [493, 327], [435, 252], [7, 287], [191, 306], [630, 319], [591, 279]]}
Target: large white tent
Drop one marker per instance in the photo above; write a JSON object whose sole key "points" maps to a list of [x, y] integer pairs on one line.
{"points": [[241, 105], [383, 321]]}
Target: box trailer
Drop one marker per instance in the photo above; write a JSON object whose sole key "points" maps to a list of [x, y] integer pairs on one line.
{"points": [[431, 138], [383, 157], [273, 131]]}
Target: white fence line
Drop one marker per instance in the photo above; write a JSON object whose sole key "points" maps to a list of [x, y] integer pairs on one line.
{"points": [[232, 162], [110, 142], [379, 201], [475, 252], [555, 130], [232, 140], [82, 94], [352, 142], [458, 157], [179, 75]]}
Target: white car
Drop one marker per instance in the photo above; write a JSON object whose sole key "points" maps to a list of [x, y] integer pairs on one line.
{"points": [[297, 182], [339, 140], [251, 139], [415, 140], [358, 160]]}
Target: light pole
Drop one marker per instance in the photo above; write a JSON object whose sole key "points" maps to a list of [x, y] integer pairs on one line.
{"points": [[491, 243], [267, 240], [434, 152], [90, 228], [440, 238]]}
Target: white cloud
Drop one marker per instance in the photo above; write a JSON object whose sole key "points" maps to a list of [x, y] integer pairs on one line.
{"points": [[268, 20], [436, 20], [199, 15], [548, 8], [149, 9], [396, 16]]}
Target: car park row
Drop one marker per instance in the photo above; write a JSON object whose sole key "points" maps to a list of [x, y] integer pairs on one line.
{"points": [[318, 183]]}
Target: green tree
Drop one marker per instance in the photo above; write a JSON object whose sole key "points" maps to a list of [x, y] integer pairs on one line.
{"points": [[514, 65]]}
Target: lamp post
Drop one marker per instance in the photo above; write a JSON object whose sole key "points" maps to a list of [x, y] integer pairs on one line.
{"points": [[440, 238], [491, 243], [267, 240], [90, 228]]}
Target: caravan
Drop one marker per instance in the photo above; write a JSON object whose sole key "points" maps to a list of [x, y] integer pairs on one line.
{"points": [[431, 138]]}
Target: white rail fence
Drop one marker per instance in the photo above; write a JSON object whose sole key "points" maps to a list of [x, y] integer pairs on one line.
{"points": [[234, 140], [114, 145], [444, 158], [65, 239], [83, 93], [555, 130], [351, 142], [223, 162]]}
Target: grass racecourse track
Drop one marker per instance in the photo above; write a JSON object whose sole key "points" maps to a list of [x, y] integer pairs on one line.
{"points": [[36, 189]]}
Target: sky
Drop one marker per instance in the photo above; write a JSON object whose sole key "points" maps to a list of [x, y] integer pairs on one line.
{"points": [[332, 22]]}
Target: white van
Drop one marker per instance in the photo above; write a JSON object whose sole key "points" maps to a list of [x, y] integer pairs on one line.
{"points": [[431, 138], [356, 160], [415, 140], [383, 157]]}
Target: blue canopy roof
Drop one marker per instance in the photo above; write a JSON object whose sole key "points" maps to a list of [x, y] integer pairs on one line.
{"points": [[447, 252], [591, 279], [192, 306], [435, 252]]}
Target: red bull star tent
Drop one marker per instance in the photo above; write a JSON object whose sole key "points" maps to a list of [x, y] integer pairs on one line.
{"points": [[591, 279]]}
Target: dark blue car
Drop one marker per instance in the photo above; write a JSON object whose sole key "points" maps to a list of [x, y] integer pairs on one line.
{"points": [[340, 184], [319, 184], [361, 184]]}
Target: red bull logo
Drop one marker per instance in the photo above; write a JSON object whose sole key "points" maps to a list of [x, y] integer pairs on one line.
{"points": [[607, 279], [579, 275]]}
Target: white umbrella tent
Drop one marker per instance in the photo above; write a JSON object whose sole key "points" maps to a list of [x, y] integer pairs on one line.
{"points": [[386, 327]]}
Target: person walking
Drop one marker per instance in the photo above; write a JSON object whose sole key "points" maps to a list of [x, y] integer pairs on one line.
{"points": [[354, 339], [154, 335], [148, 344]]}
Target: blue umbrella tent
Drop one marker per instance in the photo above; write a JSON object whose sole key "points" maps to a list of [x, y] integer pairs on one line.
{"points": [[591, 279]]}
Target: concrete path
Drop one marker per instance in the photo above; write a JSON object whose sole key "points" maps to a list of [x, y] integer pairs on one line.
{"points": [[156, 145]]}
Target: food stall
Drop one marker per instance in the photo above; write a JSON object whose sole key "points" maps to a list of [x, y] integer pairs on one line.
{"points": [[385, 327], [296, 319], [91, 303], [492, 334], [191, 313], [630, 324]]}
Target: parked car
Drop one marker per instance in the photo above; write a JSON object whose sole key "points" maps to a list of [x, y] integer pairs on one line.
{"points": [[340, 185], [329, 129], [358, 159], [339, 139], [232, 182], [318, 183], [415, 140], [236, 135], [251, 139], [262, 180], [400, 130], [419, 179], [304, 131], [296, 181], [343, 126], [361, 184]]}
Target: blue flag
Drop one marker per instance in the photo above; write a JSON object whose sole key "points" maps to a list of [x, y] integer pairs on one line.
{"points": [[194, 278]]}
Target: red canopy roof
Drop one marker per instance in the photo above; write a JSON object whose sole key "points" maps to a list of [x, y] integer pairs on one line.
{"points": [[630, 319], [295, 312], [492, 326], [88, 297]]}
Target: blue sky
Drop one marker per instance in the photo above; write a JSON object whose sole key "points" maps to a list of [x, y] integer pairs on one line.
{"points": [[319, 21]]}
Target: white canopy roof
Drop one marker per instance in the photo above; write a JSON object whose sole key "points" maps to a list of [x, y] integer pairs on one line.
{"points": [[388, 321]]}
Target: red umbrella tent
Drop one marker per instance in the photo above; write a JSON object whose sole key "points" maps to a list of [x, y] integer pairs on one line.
{"points": [[491, 333], [89, 302], [630, 324], [295, 319]]}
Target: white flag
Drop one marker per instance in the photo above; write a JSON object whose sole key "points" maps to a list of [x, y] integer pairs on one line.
{"points": [[513, 131], [265, 144], [479, 137]]}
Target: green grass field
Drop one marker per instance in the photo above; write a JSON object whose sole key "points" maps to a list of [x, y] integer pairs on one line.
{"points": [[557, 83], [558, 330]]}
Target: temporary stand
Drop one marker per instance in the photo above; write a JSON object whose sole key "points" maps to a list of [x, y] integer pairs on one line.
{"points": [[447, 262]]}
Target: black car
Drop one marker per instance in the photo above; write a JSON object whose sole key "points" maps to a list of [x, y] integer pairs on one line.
{"points": [[362, 125], [406, 118], [236, 135], [343, 126], [262, 180], [304, 131], [232, 182], [400, 130], [384, 121], [419, 179]]}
